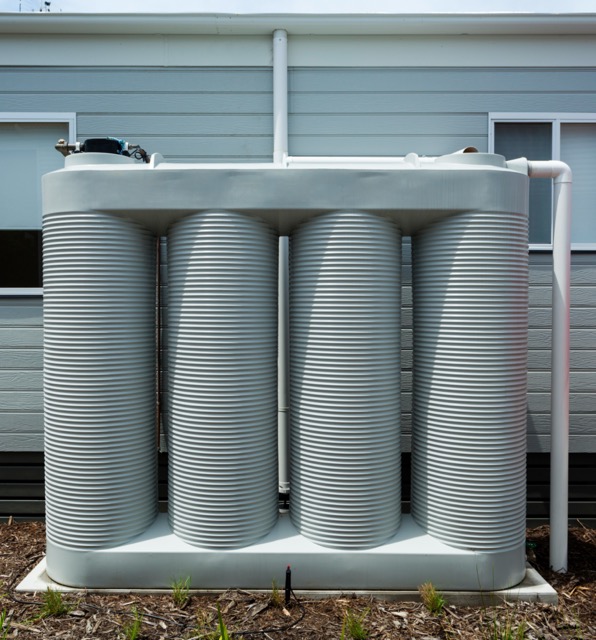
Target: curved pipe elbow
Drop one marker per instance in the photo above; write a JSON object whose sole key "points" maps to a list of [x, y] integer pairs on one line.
{"points": [[559, 171]]}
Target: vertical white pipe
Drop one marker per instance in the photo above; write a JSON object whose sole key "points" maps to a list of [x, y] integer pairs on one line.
{"points": [[280, 95], [280, 152], [283, 334], [559, 468]]}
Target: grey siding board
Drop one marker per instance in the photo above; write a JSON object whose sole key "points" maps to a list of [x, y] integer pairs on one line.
{"points": [[152, 80], [444, 80], [356, 145], [368, 104], [157, 103], [173, 125], [31, 358], [21, 363]]}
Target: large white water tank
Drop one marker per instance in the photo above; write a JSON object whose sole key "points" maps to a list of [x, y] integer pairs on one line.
{"points": [[99, 379], [470, 284], [222, 369], [345, 295]]}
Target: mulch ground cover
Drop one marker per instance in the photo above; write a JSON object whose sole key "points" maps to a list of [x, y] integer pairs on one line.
{"points": [[263, 616]]}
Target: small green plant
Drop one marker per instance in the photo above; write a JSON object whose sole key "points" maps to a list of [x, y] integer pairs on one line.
{"points": [[132, 629], [431, 598], [223, 631], [53, 604], [353, 626], [181, 591], [507, 631], [277, 600], [4, 625], [203, 627]]}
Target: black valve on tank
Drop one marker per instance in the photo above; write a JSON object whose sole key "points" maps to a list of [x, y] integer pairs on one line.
{"points": [[103, 145]]}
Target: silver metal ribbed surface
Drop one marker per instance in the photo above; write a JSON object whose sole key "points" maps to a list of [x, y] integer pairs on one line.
{"points": [[222, 317], [99, 379], [470, 278], [345, 295]]}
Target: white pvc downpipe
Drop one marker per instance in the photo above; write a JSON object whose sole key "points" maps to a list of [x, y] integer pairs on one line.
{"points": [[283, 346], [280, 153], [280, 95], [559, 466]]}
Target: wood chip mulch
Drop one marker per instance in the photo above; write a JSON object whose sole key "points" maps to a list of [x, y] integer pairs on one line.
{"points": [[257, 616]]}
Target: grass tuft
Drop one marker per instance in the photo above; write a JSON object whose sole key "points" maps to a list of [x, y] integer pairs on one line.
{"points": [[132, 629], [181, 591], [431, 598], [53, 604], [276, 599], [353, 626], [4, 625], [507, 631]]}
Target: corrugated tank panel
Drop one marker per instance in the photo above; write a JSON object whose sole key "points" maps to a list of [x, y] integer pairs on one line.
{"points": [[345, 294], [470, 276], [222, 332], [99, 379]]}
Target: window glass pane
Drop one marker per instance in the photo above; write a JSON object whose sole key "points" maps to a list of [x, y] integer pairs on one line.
{"points": [[578, 150], [531, 140], [20, 258], [26, 153]]}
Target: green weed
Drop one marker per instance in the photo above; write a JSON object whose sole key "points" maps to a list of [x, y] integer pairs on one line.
{"points": [[132, 629], [4, 625], [203, 627], [53, 604], [353, 626], [277, 600], [431, 598], [223, 631], [181, 591], [507, 631]]}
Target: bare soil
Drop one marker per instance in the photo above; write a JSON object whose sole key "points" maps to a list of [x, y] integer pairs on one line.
{"points": [[250, 615]]}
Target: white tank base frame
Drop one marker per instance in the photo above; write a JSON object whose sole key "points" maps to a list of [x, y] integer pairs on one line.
{"points": [[409, 559], [415, 195]]}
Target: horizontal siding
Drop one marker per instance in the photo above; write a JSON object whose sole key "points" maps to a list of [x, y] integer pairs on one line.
{"points": [[394, 111], [196, 114], [148, 81], [21, 383], [445, 81]]}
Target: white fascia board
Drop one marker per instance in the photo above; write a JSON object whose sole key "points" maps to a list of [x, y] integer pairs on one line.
{"points": [[301, 24]]}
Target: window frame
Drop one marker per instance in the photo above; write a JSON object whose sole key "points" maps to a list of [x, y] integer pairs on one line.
{"points": [[68, 118], [556, 119]]}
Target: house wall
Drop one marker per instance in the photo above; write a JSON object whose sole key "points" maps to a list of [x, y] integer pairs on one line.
{"points": [[217, 114]]}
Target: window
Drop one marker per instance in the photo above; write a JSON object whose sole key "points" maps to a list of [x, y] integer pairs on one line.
{"points": [[568, 137], [26, 152]]}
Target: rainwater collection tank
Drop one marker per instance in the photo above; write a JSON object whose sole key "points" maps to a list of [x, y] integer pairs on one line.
{"points": [[467, 217]]}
